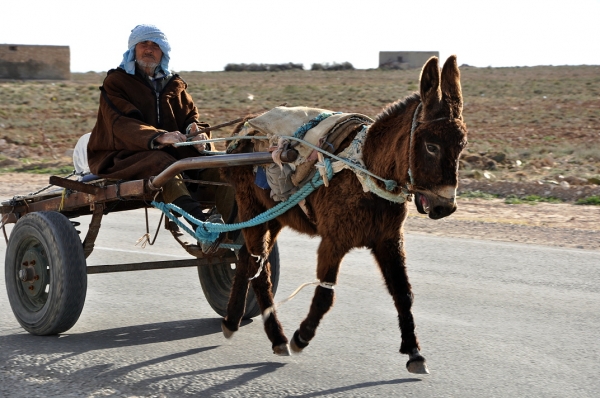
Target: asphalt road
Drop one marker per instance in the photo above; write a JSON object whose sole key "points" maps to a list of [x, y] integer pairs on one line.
{"points": [[494, 320]]}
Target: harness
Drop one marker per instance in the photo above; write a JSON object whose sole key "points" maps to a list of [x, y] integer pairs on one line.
{"points": [[350, 158]]}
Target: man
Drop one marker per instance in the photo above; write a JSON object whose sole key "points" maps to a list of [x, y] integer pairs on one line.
{"points": [[144, 109]]}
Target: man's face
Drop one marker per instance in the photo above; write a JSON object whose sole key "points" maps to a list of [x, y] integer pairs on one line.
{"points": [[148, 54]]}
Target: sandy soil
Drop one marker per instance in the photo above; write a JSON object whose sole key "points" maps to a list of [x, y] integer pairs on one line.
{"points": [[559, 225]]}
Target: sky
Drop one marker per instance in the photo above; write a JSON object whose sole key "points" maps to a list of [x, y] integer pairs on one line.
{"points": [[206, 35]]}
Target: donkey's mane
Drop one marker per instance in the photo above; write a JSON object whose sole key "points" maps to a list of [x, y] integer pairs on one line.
{"points": [[397, 107]]}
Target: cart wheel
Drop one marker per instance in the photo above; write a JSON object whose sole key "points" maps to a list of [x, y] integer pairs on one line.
{"points": [[45, 272], [216, 281]]}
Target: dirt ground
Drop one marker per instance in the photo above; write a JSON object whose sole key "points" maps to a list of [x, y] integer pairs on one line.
{"points": [[558, 225]]}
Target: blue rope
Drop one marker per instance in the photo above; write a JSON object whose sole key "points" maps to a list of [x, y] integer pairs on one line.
{"points": [[302, 130], [209, 232], [298, 136]]}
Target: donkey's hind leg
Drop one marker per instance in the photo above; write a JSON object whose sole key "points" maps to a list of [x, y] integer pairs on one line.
{"points": [[253, 266], [391, 259], [330, 256], [263, 290], [237, 298]]}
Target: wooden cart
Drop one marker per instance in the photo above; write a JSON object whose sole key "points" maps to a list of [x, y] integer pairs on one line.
{"points": [[45, 264]]}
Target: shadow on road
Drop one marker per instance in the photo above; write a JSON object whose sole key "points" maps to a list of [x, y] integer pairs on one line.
{"points": [[78, 343], [72, 345], [62, 347], [344, 389], [252, 371]]}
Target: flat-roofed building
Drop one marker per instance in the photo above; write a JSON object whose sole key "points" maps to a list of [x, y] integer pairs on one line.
{"points": [[405, 59]]}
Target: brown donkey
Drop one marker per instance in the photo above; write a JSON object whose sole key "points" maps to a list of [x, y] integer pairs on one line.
{"points": [[415, 142]]}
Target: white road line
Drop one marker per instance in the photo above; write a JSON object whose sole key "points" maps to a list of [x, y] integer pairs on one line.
{"points": [[138, 252]]}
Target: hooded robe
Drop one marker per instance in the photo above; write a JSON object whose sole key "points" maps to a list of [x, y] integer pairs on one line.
{"points": [[130, 116]]}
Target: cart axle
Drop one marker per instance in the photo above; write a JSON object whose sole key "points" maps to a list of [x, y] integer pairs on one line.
{"points": [[100, 269]]}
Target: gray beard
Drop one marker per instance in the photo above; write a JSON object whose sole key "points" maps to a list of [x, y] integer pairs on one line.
{"points": [[145, 64]]}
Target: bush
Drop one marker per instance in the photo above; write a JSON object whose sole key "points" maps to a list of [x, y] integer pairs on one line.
{"points": [[530, 199], [477, 195], [590, 200], [334, 66], [262, 67]]}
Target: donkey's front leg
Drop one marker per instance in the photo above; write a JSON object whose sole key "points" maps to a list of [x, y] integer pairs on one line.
{"points": [[329, 258], [391, 259]]}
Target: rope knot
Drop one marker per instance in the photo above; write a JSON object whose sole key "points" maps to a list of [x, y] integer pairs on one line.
{"points": [[204, 235]]}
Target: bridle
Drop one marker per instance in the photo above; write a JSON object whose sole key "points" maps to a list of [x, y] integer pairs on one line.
{"points": [[414, 125]]}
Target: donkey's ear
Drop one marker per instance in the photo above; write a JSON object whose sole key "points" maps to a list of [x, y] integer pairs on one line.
{"points": [[451, 90], [431, 94]]}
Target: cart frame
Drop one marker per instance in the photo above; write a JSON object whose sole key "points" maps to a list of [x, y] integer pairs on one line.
{"points": [[29, 265]]}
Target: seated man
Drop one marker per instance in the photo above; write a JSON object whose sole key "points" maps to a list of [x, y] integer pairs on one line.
{"points": [[144, 109]]}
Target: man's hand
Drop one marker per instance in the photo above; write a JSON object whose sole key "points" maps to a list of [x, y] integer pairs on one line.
{"points": [[200, 137], [170, 138]]}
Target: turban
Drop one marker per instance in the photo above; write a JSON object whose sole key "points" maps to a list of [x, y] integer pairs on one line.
{"points": [[144, 33]]}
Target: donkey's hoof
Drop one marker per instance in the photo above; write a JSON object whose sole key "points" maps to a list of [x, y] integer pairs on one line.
{"points": [[282, 350], [298, 344], [295, 347], [417, 365], [228, 333]]}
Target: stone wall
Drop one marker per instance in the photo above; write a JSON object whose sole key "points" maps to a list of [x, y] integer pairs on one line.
{"points": [[405, 59], [35, 62]]}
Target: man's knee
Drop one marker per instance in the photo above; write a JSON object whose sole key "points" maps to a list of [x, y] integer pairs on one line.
{"points": [[173, 189]]}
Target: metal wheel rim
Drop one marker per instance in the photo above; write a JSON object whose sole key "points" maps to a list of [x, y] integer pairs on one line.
{"points": [[34, 287]]}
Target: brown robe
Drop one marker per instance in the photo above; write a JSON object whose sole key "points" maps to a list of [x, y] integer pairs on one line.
{"points": [[120, 145]]}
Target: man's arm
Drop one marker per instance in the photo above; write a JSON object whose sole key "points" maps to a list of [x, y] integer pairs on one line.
{"points": [[192, 123], [120, 122]]}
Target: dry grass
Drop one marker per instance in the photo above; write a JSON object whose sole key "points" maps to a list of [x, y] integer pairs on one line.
{"points": [[546, 117]]}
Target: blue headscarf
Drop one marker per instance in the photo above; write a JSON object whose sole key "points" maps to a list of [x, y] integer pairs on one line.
{"points": [[143, 33]]}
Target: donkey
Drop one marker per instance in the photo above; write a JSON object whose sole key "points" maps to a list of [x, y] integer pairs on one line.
{"points": [[417, 142]]}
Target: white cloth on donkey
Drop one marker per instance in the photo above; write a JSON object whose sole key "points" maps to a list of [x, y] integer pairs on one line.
{"points": [[281, 122]]}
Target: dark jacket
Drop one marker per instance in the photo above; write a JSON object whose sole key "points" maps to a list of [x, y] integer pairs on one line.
{"points": [[131, 114]]}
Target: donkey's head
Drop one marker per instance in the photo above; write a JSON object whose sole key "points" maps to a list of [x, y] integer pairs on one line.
{"points": [[438, 137]]}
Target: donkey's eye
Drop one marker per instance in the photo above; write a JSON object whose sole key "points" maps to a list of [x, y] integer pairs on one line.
{"points": [[432, 149]]}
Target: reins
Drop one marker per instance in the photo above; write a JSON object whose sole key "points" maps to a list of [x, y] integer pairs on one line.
{"points": [[390, 185], [208, 232]]}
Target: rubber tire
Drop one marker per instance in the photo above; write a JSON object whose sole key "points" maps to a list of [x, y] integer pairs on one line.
{"points": [[58, 249], [216, 282]]}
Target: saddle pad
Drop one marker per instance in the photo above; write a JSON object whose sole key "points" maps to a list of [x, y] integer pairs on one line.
{"points": [[285, 121]]}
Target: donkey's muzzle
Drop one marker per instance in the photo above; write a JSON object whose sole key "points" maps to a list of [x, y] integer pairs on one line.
{"points": [[441, 211], [434, 206]]}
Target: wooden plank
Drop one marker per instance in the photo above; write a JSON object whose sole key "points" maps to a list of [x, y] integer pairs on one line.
{"points": [[74, 201], [75, 185]]}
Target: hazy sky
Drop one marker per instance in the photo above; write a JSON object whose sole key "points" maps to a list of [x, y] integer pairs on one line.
{"points": [[208, 34]]}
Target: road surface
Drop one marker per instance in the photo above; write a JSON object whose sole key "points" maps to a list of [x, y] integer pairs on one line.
{"points": [[494, 320]]}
